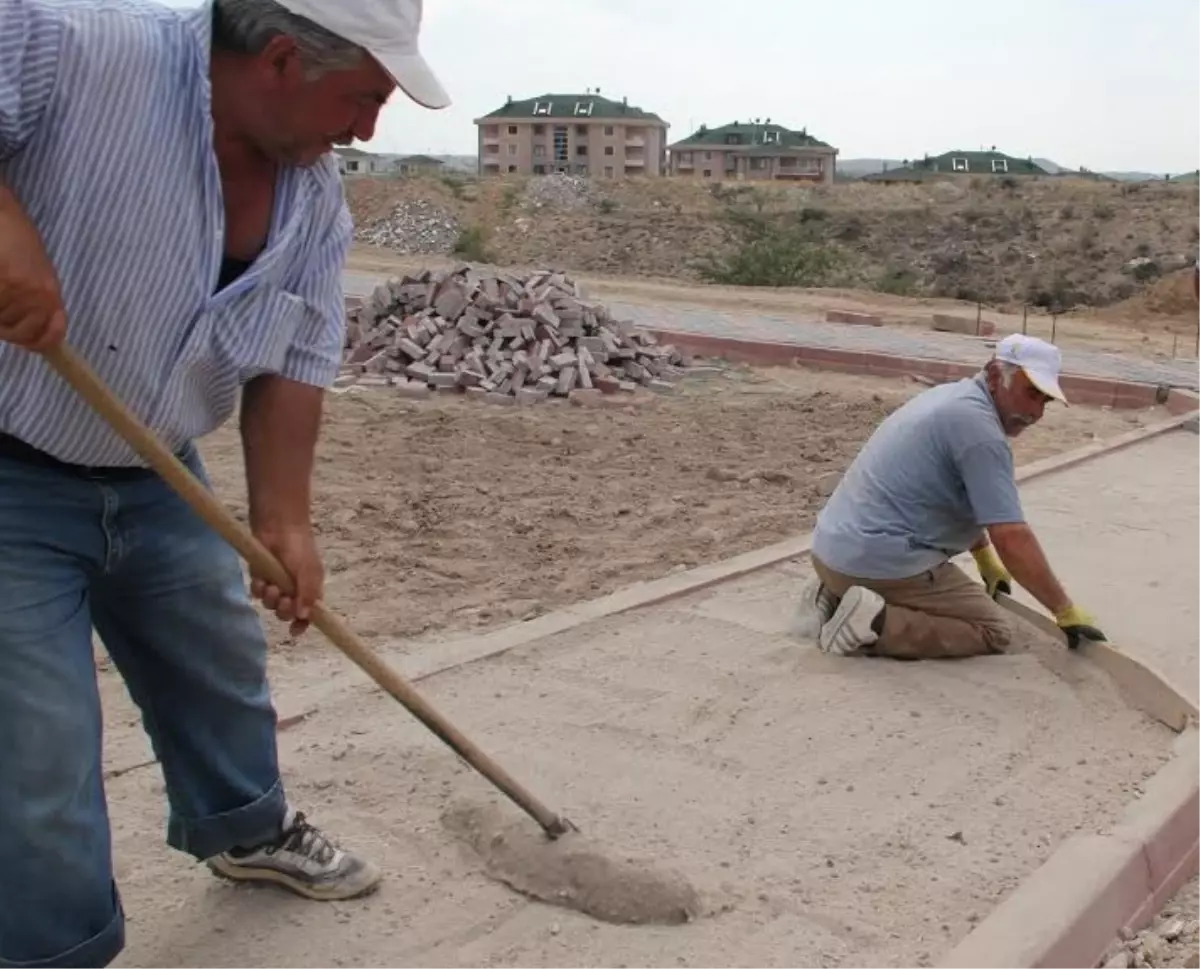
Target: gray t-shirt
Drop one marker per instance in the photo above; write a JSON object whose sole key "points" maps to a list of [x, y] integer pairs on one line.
{"points": [[934, 473]]}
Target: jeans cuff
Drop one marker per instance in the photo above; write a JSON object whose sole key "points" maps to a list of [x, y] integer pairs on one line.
{"points": [[100, 950], [251, 824]]}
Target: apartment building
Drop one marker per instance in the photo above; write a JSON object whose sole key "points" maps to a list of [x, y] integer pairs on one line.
{"points": [[959, 162], [753, 150], [579, 134]]}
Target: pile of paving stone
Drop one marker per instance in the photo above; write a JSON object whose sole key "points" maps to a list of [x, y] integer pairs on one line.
{"points": [[502, 338], [413, 226], [1170, 942]]}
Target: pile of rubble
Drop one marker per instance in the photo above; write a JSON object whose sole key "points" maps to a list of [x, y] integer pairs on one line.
{"points": [[1173, 939], [414, 226], [558, 191], [503, 338]]}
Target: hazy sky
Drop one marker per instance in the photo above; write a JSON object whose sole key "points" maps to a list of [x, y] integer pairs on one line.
{"points": [[1108, 84]]}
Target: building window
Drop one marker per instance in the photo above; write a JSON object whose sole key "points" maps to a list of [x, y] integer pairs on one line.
{"points": [[352, 166], [608, 130], [492, 149], [733, 139], [1000, 165], [708, 173], [770, 137], [708, 156], [512, 169], [581, 131], [560, 143], [539, 151], [959, 165], [608, 171], [685, 158], [633, 132], [581, 151], [512, 149], [583, 107], [608, 149], [758, 163], [539, 129], [491, 131], [539, 169], [512, 129], [543, 107]]}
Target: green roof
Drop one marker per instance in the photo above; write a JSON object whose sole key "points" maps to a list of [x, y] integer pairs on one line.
{"points": [[578, 106], [751, 136], [419, 160], [979, 163]]}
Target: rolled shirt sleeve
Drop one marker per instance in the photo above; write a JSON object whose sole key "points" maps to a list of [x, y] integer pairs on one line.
{"points": [[315, 354], [29, 63]]}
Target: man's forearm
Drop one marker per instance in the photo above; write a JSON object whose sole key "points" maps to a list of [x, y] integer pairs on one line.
{"points": [[280, 422], [1022, 554]]}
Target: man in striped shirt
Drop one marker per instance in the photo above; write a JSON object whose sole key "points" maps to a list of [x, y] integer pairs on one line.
{"points": [[168, 205]]}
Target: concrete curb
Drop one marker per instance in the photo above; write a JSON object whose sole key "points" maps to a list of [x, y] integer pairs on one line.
{"points": [[1081, 389], [1069, 911]]}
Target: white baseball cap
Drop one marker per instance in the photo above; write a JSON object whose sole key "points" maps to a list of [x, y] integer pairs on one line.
{"points": [[387, 30], [1041, 361]]}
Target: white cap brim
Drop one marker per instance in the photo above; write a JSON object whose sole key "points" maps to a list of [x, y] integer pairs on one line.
{"points": [[1046, 383], [414, 77]]}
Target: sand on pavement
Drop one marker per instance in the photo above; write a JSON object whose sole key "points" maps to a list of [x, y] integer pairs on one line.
{"points": [[1121, 532], [830, 811]]}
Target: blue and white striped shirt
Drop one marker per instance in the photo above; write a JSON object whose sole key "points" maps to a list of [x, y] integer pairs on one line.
{"points": [[106, 139]]}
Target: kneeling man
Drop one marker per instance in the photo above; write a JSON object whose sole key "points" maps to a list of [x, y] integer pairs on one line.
{"points": [[934, 480]]}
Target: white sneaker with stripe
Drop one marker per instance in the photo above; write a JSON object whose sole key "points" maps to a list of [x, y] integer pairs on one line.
{"points": [[849, 628]]}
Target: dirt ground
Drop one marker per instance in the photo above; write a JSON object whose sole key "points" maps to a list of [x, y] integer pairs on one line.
{"points": [[828, 811], [442, 514]]}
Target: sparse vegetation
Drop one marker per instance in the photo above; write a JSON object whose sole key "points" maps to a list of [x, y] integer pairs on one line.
{"points": [[1062, 241], [771, 250], [472, 244]]}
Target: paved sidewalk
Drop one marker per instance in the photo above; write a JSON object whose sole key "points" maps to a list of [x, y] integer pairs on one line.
{"points": [[892, 340]]}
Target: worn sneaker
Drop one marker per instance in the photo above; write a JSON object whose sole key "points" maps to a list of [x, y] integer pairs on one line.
{"points": [[814, 608], [303, 860], [852, 625]]}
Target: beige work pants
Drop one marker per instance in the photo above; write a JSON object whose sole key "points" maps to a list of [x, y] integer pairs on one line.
{"points": [[938, 614]]}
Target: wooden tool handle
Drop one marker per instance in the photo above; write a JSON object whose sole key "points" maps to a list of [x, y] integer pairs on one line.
{"points": [[89, 386]]}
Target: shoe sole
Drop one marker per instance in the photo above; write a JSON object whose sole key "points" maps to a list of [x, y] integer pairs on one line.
{"points": [[319, 893]]}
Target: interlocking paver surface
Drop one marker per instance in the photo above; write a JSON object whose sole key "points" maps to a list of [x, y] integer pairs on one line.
{"points": [[898, 342]]}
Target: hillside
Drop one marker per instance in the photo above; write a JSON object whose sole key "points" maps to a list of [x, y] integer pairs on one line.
{"points": [[1056, 243]]}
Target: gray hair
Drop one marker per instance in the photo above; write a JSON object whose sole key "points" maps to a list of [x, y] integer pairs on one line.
{"points": [[1005, 370], [247, 26]]}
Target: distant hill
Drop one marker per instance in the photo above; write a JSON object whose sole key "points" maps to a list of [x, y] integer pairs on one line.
{"points": [[858, 167]]}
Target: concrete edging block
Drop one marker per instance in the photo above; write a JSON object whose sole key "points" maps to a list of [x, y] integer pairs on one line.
{"points": [[1070, 911], [1081, 388], [1089, 877]]}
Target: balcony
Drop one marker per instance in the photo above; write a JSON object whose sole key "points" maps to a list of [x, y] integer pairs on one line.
{"points": [[635, 141]]}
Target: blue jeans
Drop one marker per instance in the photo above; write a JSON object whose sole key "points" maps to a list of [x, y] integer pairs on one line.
{"points": [[168, 598]]}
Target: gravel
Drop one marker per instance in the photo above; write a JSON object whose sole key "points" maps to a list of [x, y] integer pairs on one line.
{"points": [[1171, 940], [414, 226], [558, 191]]}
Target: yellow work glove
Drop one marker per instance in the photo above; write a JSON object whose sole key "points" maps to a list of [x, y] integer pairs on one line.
{"points": [[1078, 625], [995, 576]]}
